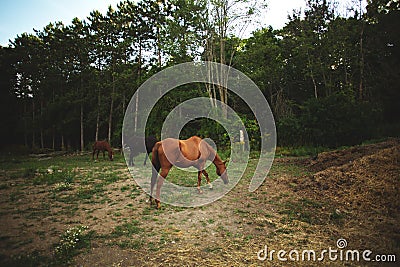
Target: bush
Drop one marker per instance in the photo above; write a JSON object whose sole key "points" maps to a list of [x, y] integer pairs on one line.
{"points": [[333, 121]]}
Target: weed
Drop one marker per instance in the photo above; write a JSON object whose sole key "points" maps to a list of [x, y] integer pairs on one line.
{"points": [[54, 176], [71, 241]]}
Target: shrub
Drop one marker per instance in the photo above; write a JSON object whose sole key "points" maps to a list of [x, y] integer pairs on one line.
{"points": [[332, 121]]}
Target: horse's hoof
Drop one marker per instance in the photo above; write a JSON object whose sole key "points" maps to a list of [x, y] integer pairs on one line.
{"points": [[200, 191]]}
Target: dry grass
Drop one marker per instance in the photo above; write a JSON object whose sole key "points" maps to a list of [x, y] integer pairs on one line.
{"points": [[303, 204]]}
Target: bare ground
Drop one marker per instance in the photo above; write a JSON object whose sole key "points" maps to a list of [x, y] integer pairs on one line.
{"points": [[303, 204]]}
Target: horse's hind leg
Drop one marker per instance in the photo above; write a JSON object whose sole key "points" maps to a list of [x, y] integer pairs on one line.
{"points": [[199, 182], [145, 158], [160, 181], [97, 156], [153, 182]]}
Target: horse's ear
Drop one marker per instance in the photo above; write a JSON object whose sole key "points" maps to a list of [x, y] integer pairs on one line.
{"points": [[225, 161]]}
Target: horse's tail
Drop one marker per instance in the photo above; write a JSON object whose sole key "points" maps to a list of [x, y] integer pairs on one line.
{"points": [[155, 161]]}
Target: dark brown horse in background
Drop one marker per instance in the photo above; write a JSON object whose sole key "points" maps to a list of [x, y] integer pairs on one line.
{"points": [[135, 144], [102, 146], [183, 153]]}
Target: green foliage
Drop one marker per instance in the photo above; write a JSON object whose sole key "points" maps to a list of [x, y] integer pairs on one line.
{"points": [[333, 121], [330, 80]]}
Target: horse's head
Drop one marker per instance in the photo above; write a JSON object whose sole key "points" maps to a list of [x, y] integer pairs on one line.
{"points": [[221, 171]]}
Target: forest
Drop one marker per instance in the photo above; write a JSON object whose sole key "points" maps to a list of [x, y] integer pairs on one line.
{"points": [[330, 79]]}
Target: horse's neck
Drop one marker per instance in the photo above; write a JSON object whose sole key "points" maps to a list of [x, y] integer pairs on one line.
{"points": [[217, 160]]}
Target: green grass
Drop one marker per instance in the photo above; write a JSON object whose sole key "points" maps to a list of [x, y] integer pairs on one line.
{"points": [[303, 151], [127, 229]]}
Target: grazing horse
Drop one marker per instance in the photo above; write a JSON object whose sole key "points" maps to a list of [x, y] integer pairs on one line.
{"points": [[183, 153], [102, 146], [135, 146]]}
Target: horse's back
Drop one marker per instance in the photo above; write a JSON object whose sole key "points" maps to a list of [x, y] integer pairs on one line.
{"points": [[136, 143], [101, 145]]}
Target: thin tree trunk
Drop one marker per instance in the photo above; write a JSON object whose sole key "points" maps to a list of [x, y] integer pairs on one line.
{"points": [[53, 143], [361, 85], [25, 126], [41, 126], [136, 111], [140, 59], [312, 77], [111, 107], [158, 47], [137, 95], [98, 115], [62, 143], [82, 141], [82, 130], [223, 75], [210, 87], [33, 124]]}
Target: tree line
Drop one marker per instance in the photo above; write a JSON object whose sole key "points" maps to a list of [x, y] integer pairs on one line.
{"points": [[330, 79]]}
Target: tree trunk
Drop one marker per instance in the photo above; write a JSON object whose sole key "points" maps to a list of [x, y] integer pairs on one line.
{"points": [[53, 143], [361, 85], [25, 126], [33, 125], [98, 115], [111, 108], [82, 130], [140, 59], [136, 112], [62, 143], [41, 126], [159, 47]]}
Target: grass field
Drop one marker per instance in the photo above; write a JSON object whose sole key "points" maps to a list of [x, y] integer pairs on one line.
{"points": [[69, 210]]}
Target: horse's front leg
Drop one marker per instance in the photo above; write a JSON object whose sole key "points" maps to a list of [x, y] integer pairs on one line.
{"points": [[199, 182], [208, 179]]}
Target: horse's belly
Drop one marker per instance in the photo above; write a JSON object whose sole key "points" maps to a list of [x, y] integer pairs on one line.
{"points": [[186, 163]]}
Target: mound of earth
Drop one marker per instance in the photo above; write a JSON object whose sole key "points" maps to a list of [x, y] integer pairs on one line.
{"points": [[363, 183], [342, 157]]}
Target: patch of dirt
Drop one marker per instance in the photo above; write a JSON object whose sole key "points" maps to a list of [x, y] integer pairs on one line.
{"points": [[303, 204]]}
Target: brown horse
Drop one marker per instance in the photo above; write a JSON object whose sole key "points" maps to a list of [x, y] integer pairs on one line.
{"points": [[183, 153], [102, 146]]}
